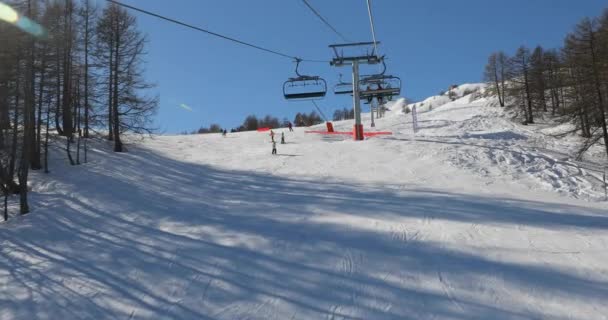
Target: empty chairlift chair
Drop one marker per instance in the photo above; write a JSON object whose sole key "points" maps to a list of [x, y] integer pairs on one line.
{"points": [[343, 87], [304, 87]]}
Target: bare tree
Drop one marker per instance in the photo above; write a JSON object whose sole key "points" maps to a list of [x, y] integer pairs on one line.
{"points": [[520, 88], [130, 109], [495, 73]]}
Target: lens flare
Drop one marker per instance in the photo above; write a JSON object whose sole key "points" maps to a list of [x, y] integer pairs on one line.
{"points": [[185, 107], [8, 14], [11, 16], [30, 27]]}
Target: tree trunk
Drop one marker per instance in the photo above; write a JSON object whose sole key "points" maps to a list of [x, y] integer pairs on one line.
{"points": [[58, 95], [562, 93], [68, 126], [28, 126], [46, 138], [498, 90], [13, 160], [530, 117], [5, 192], [79, 131], [36, 154], [117, 143], [87, 32], [502, 63], [111, 94]]}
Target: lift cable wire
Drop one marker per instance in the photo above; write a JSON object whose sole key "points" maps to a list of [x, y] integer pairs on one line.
{"points": [[324, 20], [211, 33], [319, 109], [371, 22]]}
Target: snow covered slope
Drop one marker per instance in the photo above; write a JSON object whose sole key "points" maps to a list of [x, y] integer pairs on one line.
{"points": [[474, 217], [437, 101]]}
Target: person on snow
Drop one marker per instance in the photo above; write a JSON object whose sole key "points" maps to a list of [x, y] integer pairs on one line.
{"points": [[282, 137], [274, 147], [290, 126], [224, 132], [272, 135]]}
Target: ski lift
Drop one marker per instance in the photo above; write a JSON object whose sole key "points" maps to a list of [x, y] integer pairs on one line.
{"points": [[380, 86], [343, 87], [304, 87]]}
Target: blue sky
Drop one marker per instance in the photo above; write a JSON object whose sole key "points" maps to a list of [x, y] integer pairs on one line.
{"points": [[428, 43]]}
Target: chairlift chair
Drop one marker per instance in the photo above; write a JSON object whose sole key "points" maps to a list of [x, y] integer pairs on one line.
{"points": [[343, 87], [304, 87], [387, 86]]}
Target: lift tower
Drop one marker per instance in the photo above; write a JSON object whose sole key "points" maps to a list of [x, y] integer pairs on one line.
{"points": [[341, 60]]}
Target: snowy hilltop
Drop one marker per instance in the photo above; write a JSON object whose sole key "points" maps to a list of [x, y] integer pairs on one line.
{"points": [[475, 216]]}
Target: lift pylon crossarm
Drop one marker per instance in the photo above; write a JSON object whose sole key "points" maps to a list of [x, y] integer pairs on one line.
{"points": [[346, 61], [341, 60], [353, 44]]}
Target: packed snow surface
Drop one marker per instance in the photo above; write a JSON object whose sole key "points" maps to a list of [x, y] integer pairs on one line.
{"points": [[473, 217]]}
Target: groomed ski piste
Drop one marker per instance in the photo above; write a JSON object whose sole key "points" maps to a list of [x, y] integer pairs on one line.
{"points": [[473, 217]]}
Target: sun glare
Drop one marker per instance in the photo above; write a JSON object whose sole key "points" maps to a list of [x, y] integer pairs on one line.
{"points": [[8, 14], [11, 16]]}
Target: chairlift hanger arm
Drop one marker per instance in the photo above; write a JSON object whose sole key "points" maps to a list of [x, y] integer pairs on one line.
{"points": [[383, 66], [298, 60]]}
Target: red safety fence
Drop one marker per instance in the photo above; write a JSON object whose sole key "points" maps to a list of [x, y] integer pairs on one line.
{"points": [[350, 133], [263, 129], [378, 133], [327, 132]]}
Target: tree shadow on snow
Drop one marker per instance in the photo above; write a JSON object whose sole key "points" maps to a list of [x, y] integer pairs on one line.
{"points": [[186, 241]]}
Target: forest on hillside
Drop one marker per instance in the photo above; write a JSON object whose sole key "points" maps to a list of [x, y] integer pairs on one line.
{"points": [[253, 122], [568, 83], [68, 71]]}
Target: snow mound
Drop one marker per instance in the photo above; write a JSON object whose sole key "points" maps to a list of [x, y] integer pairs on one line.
{"points": [[469, 91]]}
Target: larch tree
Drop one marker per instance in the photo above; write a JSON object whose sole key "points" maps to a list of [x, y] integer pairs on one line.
{"points": [[519, 75], [495, 74], [130, 109]]}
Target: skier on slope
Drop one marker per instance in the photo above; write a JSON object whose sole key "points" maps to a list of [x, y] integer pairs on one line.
{"points": [[272, 135], [290, 126], [274, 147], [282, 137]]}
